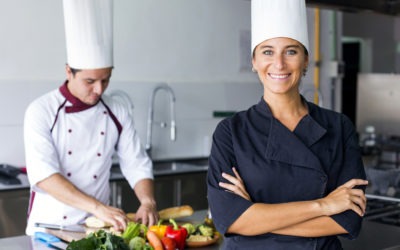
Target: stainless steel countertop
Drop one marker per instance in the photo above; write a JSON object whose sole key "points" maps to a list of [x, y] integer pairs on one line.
{"points": [[161, 168]]}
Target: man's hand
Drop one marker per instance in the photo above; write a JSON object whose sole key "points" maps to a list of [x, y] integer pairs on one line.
{"points": [[147, 214], [64, 191], [112, 215]]}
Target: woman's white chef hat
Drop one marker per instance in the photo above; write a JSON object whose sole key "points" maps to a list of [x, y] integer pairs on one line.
{"points": [[89, 33], [278, 18]]}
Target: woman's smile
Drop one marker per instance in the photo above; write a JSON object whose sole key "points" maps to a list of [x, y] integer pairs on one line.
{"points": [[278, 76]]}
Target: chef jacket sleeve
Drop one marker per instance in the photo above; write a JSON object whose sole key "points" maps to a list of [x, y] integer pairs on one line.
{"points": [[225, 206], [133, 159], [40, 153], [352, 168]]}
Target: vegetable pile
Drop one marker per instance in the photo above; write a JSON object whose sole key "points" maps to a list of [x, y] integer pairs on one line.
{"points": [[138, 237], [133, 238], [199, 232]]}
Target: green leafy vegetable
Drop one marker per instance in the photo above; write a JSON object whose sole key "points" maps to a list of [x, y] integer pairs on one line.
{"points": [[190, 228], [137, 243], [100, 240], [132, 230]]}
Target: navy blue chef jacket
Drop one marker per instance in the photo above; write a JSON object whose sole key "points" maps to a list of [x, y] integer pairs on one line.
{"points": [[279, 166]]}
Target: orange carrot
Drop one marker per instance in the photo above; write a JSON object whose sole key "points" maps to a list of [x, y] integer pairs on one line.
{"points": [[154, 241]]}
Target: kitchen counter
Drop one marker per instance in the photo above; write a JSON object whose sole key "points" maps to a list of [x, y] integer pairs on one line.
{"points": [[373, 236], [161, 168], [29, 243]]}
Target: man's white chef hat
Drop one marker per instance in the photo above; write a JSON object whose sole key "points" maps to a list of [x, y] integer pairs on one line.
{"points": [[278, 18], [89, 33]]}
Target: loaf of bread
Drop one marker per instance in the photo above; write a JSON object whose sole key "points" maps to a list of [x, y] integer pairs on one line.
{"points": [[169, 213], [175, 212]]}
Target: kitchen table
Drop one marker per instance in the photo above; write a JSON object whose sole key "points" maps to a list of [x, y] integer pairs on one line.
{"points": [[29, 243], [373, 236]]}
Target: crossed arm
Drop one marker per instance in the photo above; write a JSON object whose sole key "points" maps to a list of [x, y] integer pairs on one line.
{"points": [[305, 218]]}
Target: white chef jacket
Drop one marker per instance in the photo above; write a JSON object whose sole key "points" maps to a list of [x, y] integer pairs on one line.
{"points": [[63, 135]]}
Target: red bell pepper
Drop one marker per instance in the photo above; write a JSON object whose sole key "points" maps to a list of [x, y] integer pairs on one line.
{"points": [[177, 233]]}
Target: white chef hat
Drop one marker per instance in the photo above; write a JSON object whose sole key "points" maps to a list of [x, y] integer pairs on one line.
{"points": [[278, 18], [89, 33]]}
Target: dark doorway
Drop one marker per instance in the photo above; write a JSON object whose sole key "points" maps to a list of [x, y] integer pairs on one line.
{"points": [[351, 58]]}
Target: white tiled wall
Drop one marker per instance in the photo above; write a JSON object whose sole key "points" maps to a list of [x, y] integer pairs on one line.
{"points": [[195, 46], [195, 103], [200, 47]]}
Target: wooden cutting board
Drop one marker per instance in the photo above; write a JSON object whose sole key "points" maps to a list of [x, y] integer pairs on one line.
{"points": [[173, 212], [67, 236]]}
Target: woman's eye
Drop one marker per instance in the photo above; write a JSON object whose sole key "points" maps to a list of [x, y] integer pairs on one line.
{"points": [[291, 52], [267, 52]]}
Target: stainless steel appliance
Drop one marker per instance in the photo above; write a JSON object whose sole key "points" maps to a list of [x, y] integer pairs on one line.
{"points": [[382, 162]]}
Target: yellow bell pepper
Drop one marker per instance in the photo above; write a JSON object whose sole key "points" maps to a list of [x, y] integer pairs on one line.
{"points": [[159, 229]]}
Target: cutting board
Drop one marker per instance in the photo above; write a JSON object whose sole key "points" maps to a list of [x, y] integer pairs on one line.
{"points": [[67, 236]]}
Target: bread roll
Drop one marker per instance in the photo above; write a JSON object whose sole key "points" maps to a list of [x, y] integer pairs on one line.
{"points": [[95, 222]]}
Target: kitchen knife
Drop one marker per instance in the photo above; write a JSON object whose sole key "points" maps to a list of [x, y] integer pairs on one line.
{"points": [[51, 240], [72, 228]]}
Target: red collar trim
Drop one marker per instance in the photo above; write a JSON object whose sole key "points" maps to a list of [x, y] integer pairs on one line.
{"points": [[77, 105]]}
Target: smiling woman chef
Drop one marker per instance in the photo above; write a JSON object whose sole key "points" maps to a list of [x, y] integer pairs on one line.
{"points": [[72, 132], [297, 167]]}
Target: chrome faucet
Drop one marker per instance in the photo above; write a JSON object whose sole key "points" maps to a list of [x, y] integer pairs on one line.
{"points": [[150, 118]]}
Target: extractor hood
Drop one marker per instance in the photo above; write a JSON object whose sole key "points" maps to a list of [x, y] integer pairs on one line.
{"points": [[388, 7]]}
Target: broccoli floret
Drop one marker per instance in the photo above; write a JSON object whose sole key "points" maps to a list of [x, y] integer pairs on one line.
{"points": [[206, 230], [190, 228]]}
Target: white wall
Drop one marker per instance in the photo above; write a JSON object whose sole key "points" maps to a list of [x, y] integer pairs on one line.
{"points": [[192, 45], [199, 47]]}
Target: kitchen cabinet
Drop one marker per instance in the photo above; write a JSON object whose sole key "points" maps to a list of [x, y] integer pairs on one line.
{"points": [[13, 212], [170, 190]]}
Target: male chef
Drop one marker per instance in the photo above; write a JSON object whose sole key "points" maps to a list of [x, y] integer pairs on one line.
{"points": [[72, 132]]}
